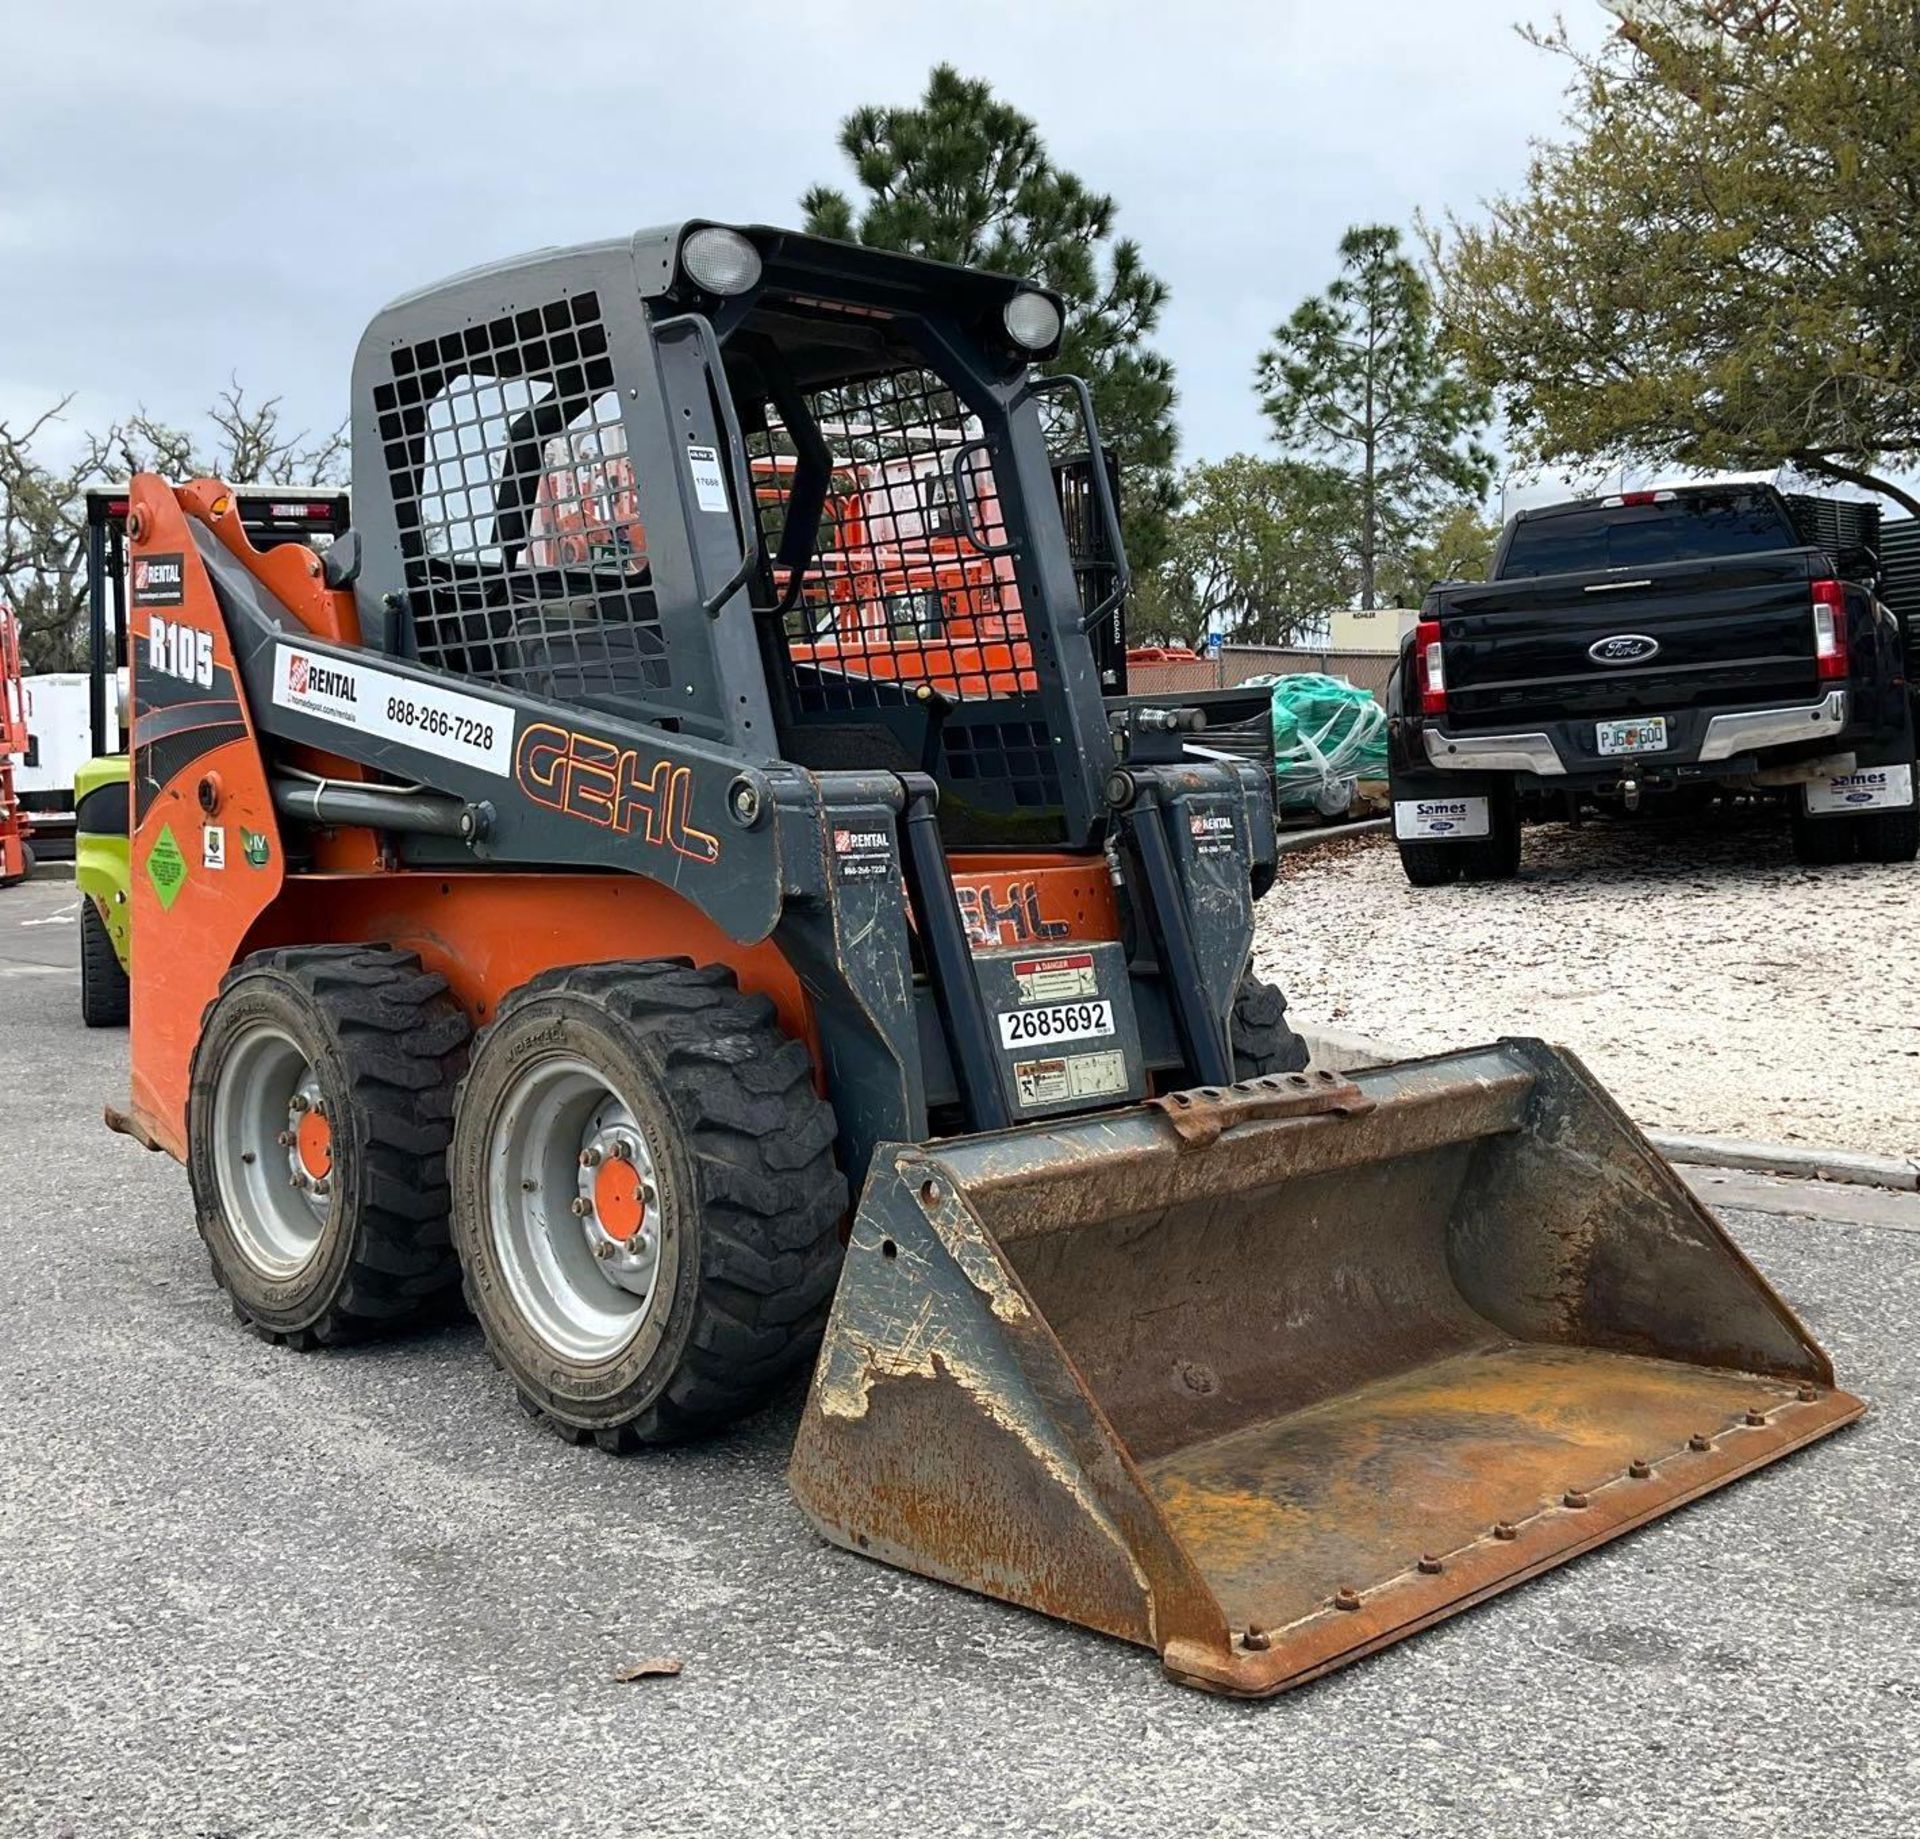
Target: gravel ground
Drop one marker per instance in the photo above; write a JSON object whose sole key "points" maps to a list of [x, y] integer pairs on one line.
{"points": [[251, 1594], [1715, 986]]}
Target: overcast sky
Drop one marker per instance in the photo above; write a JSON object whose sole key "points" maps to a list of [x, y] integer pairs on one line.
{"points": [[192, 190]]}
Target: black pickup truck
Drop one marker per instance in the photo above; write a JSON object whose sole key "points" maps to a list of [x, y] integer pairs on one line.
{"points": [[1649, 644]]}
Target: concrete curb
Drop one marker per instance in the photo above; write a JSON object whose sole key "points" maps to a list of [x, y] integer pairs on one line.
{"points": [[1289, 840], [1797, 1161], [1349, 1053]]}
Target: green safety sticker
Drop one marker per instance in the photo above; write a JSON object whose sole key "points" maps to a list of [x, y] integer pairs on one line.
{"points": [[166, 866], [253, 845]]}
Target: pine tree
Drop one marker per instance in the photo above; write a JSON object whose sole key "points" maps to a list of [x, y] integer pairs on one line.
{"points": [[965, 177], [1356, 376]]}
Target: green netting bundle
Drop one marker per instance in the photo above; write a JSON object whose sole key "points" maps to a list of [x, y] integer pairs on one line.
{"points": [[1326, 735]]}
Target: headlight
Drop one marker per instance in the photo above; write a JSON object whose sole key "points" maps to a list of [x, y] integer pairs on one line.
{"points": [[721, 261], [1032, 321]]}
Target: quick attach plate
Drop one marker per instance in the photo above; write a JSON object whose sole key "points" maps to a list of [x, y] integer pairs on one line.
{"points": [[1063, 1021]]}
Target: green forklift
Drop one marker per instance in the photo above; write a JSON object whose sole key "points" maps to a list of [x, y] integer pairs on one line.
{"points": [[272, 515]]}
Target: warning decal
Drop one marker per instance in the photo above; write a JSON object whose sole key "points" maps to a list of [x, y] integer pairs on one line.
{"points": [[1069, 1078], [1053, 980]]}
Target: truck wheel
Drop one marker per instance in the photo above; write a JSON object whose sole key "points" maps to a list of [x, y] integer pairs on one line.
{"points": [[1890, 836], [645, 1199], [1495, 856], [1822, 842], [317, 1126], [104, 993], [1262, 1040], [1432, 865]]}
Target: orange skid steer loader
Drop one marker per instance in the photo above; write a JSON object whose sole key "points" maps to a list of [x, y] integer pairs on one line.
{"points": [[566, 923]]}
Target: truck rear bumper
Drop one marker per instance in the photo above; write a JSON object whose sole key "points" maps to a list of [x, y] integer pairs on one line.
{"points": [[1739, 733], [1724, 737]]}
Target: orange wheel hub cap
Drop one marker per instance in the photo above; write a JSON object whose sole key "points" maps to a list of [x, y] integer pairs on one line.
{"points": [[314, 1142], [618, 1201]]}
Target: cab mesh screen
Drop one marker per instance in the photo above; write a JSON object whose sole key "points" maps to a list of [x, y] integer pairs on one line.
{"points": [[908, 586], [524, 557]]}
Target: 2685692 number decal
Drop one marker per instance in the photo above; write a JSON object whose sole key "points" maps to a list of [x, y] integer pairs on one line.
{"points": [[1056, 1022]]}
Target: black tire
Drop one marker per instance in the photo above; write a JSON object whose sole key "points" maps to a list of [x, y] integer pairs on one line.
{"points": [[105, 996], [1890, 836], [27, 862], [1263, 1041], [740, 1154], [1495, 856], [1432, 865], [1822, 842], [385, 1044]]}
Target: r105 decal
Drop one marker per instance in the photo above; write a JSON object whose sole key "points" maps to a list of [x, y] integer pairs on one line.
{"points": [[180, 651]]}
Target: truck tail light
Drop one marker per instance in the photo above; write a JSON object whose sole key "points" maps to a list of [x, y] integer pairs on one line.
{"points": [[1431, 664], [1829, 629]]}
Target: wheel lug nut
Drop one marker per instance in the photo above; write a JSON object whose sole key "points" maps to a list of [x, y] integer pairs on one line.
{"points": [[299, 1179], [580, 1206], [286, 1139], [299, 1102], [590, 1158], [604, 1249]]}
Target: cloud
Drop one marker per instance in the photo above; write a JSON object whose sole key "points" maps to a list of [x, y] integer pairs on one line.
{"points": [[212, 191]]}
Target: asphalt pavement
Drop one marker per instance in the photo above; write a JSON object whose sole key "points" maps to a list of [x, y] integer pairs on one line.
{"points": [[245, 1592]]}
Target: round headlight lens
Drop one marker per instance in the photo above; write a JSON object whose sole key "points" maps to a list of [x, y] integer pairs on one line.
{"points": [[1032, 321], [721, 261]]}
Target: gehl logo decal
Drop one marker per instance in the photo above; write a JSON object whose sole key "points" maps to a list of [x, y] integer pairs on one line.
{"points": [[1016, 921], [601, 783]]}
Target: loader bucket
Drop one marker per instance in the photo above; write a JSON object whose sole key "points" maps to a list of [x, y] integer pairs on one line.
{"points": [[1266, 1377]]}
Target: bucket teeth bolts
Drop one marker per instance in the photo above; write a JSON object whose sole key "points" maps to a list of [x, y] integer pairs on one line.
{"points": [[1699, 1443], [1639, 1468], [1573, 1498], [1755, 1420], [1345, 1598], [1430, 1566], [1806, 1395], [1505, 1529], [1256, 1640]]}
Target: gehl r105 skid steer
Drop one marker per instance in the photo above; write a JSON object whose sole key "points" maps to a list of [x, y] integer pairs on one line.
{"points": [[686, 801]]}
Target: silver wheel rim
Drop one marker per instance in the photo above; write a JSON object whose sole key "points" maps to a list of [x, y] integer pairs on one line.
{"points": [[274, 1201], [582, 1274]]}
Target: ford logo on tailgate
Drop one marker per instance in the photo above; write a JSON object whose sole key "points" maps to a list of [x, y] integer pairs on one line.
{"points": [[1623, 648]]}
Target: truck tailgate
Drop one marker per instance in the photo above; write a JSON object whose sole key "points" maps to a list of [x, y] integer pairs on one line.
{"points": [[1727, 632]]}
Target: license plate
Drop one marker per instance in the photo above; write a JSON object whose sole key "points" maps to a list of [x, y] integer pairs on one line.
{"points": [[1646, 736], [1056, 1022]]}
